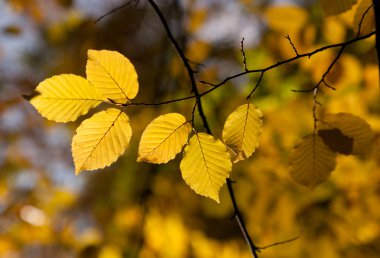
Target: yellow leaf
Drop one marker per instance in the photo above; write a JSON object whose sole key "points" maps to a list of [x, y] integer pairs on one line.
{"points": [[334, 7], [206, 165], [367, 24], [353, 127], [286, 19], [163, 138], [242, 131], [65, 97], [312, 161], [100, 140], [113, 74]]}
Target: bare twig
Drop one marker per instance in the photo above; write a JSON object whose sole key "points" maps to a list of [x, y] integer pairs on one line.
{"points": [[257, 85], [362, 19], [116, 9], [240, 220], [280, 63], [261, 70], [278, 243], [323, 78], [243, 53], [292, 44]]}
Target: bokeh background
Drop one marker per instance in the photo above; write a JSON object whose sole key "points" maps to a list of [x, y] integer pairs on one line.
{"points": [[135, 209]]}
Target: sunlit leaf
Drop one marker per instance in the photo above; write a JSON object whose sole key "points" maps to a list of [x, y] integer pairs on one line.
{"points": [[100, 140], [65, 97], [242, 131], [286, 18], [206, 165], [312, 161], [113, 74], [366, 23], [353, 127], [163, 138], [337, 6]]}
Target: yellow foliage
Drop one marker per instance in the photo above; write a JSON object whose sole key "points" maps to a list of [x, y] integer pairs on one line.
{"points": [[312, 161], [100, 140], [113, 74], [65, 97], [242, 131], [206, 165], [163, 138]]}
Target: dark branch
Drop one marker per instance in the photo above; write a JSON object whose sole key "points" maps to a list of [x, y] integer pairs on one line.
{"points": [[240, 221], [243, 53], [262, 70], [116, 9], [292, 44], [362, 19], [309, 54], [278, 243], [186, 63]]}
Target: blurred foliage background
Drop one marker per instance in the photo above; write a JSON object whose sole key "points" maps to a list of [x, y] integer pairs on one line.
{"points": [[140, 210]]}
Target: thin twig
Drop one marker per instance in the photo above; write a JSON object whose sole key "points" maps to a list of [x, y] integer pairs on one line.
{"points": [[323, 78], [257, 85], [362, 19], [278, 243], [289, 60], [261, 70], [292, 44], [115, 10], [243, 53], [240, 220]]}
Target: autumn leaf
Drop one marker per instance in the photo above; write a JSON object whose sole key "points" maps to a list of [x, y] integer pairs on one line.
{"points": [[100, 140], [163, 138], [65, 97], [113, 74], [336, 6], [242, 131], [312, 161], [352, 127], [206, 165]]}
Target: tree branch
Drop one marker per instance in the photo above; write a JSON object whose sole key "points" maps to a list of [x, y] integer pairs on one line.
{"points": [[186, 63], [198, 104]]}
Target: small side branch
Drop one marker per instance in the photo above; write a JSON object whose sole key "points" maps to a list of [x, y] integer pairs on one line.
{"points": [[240, 221], [243, 53]]}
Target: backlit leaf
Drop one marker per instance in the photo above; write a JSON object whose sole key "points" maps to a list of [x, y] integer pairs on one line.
{"points": [[242, 131], [163, 138], [312, 161], [206, 165], [100, 140], [353, 127], [65, 97], [366, 23], [113, 74], [336, 6]]}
